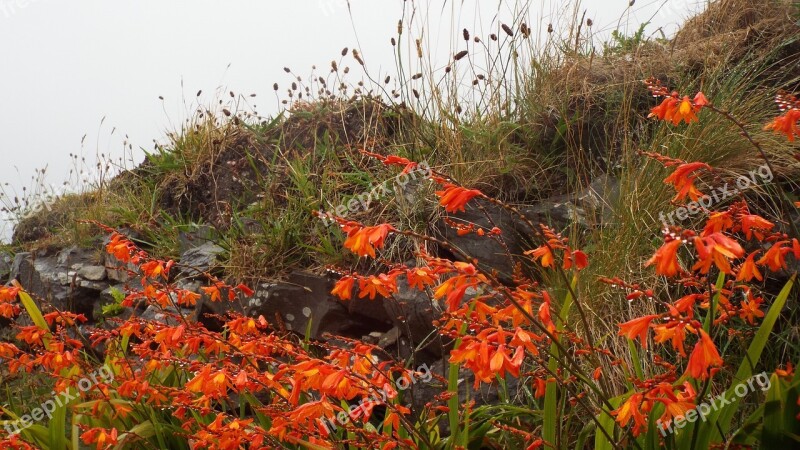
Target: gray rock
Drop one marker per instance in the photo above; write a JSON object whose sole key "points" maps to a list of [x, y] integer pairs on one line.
{"points": [[593, 205], [202, 234], [166, 316], [413, 311], [202, 258], [53, 283], [120, 272], [303, 304], [423, 392], [92, 273], [490, 253], [6, 262], [208, 312]]}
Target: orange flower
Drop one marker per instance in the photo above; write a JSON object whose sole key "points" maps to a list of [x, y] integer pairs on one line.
{"points": [[544, 253], [775, 258], [364, 241], [103, 437], [8, 294], [453, 197], [704, 356], [675, 404], [665, 109], [637, 328], [749, 270], [675, 332], [344, 288], [683, 181], [632, 409], [751, 309], [666, 259], [716, 248], [371, 286], [751, 222], [120, 247], [419, 277], [786, 124], [685, 112]]}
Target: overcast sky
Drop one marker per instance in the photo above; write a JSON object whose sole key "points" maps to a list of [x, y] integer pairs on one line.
{"points": [[68, 65]]}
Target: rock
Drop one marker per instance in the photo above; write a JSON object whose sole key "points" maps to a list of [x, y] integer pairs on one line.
{"points": [[304, 305], [202, 258], [368, 309], [120, 272], [92, 273], [591, 206], [202, 234], [208, 312], [155, 313], [53, 282], [413, 311], [6, 262], [491, 255]]}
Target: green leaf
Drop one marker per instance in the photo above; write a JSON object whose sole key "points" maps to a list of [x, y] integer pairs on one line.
{"points": [[773, 426], [607, 423], [33, 311], [57, 428]]}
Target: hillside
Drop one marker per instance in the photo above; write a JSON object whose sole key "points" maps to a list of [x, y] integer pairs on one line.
{"points": [[556, 135]]}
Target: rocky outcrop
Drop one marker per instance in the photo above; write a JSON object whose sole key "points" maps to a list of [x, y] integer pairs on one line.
{"points": [[303, 304], [582, 210], [71, 279]]}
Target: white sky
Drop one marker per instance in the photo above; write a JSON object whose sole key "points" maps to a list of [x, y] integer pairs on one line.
{"points": [[67, 65]]}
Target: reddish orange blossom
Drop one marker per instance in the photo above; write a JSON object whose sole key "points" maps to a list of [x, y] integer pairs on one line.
{"points": [[454, 198], [703, 357], [666, 259], [637, 328]]}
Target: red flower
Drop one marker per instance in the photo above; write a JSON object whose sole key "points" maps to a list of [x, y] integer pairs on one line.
{"points": [[344, 288], [666, 259], [683, 180], [704, 356], [363, 241], [453, 197], [637, 328], [786, 124]]}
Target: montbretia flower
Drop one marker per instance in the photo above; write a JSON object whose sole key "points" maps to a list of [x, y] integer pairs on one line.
{"points": [[786, 124], [365, 240], [675, 110], [749, 270], [775, 257], [666, 258], [683, 180], [632, 409], [102, 437], [453, 198], [703, 357], [718, 249], [344, 288], [637, 328]]}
